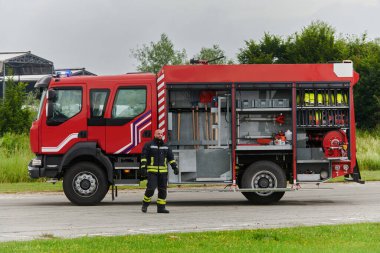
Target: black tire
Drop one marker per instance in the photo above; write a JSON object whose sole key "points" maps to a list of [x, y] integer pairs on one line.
{"points": [[263, 174], [85, 184]]}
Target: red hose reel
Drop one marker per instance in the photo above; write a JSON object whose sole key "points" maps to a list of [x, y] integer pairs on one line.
{"points": [[335, 144]]}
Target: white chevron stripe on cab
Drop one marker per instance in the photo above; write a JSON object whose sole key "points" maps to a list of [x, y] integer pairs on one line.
{"points": [[61, 145]]}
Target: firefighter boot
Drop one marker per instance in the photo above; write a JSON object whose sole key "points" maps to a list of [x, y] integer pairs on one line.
{"points": [[144, 207], [162, 209]]}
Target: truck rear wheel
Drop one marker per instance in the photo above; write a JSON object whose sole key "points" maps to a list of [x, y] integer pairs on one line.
{"points": [[85, 183], [263, 174]]}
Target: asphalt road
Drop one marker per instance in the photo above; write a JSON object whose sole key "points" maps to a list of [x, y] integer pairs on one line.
{"points": [[32, 216]]}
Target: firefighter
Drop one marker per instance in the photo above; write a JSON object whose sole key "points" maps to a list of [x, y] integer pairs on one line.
{"points": [[154, 158]]}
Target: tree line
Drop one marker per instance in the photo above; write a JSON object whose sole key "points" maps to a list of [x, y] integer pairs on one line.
{"points": [[316, 43]]}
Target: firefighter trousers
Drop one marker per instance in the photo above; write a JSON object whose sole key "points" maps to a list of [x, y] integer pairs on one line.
{"points": [[156, 180]]}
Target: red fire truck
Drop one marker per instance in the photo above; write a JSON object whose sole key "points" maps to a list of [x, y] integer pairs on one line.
{"points": [[261, 129]]}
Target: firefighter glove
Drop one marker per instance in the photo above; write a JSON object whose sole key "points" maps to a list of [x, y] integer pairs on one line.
{"points": [[143, 170], [176, 171]]}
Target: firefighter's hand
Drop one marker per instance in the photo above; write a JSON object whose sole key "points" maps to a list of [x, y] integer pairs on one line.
{"points": [[143, 171], [176, 170]]}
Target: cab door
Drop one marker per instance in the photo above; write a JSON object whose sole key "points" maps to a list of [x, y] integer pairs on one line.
{"points": [[129, 124], [67, 124], [96, 121]]}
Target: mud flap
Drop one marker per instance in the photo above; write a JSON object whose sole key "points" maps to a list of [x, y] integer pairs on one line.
{"points": [[355, 176]]}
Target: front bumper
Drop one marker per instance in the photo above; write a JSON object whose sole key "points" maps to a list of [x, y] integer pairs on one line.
{"points": [[34, 171]]}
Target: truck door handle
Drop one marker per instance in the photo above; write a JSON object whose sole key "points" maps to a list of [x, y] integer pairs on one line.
{"points": [[147, 134], [82, 134]]}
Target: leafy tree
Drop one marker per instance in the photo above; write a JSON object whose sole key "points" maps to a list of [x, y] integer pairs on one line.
{"points": [[315, 44], [211, 53], [154, 56], [269, 49], [318, 43], [366, 57], [14, 117]]}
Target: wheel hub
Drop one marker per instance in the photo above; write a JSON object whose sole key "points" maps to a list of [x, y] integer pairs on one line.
{"points": [[264, 179], [263, 183], [85, 184]]}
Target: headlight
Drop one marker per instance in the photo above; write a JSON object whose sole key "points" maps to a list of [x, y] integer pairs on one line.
{"points": [[346, 167], [337, 167], [36, 162]]}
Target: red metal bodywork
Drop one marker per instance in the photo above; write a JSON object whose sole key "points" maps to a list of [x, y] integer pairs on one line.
{"points": [[292, 74], [59, 139], [127, 139]]}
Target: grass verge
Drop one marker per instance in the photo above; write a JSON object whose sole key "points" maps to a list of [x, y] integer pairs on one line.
{"points": [[15, 155], [368, 149], [367, 175], [341, 238]]}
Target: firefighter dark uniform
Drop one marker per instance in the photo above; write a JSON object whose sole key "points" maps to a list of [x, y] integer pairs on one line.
{"points": [[154, 159]]}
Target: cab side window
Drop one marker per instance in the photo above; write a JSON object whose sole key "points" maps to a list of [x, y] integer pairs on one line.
{"points": [[98, 101], [129, 103], [67, 104]]}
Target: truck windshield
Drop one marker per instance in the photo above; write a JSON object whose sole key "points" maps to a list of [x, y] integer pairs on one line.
{"points": [[43, 95]]}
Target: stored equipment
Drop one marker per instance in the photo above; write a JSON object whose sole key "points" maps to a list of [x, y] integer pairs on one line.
{"points": [[261, 129]]}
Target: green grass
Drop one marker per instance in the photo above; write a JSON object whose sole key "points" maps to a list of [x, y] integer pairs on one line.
{"points": [[15, 155], [341, 238], [46, 187], [26, 187], [368, 149], [367, 175]]}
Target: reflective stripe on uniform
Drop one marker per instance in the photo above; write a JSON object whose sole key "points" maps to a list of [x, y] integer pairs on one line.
{"points": [[165, 164], [147, 199], [172, 161], [143, 160], [151, 160], [155, 169], [156, 147], [161, 201]]}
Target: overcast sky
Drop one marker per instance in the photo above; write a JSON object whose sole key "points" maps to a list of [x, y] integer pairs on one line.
{"points": [[99, 34]]}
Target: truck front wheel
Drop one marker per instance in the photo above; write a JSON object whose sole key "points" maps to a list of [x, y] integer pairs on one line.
{"points": [[260, 175], [85, 183]]}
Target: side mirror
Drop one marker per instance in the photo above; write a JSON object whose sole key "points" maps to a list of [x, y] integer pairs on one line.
{"points": [[51, 95]]}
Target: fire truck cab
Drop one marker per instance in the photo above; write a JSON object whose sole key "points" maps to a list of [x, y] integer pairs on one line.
{"points": [[254, 127]]}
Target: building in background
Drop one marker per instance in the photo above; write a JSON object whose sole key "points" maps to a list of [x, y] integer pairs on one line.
{"points": [[24, 67], [29, 68]]}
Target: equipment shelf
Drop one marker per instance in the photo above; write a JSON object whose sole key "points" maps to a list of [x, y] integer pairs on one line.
{"points": [[264, 109], [313, 161], [264, 147], [322, 107]]}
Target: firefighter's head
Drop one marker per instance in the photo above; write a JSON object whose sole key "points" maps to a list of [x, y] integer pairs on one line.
{"points": [[158, 134]]}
